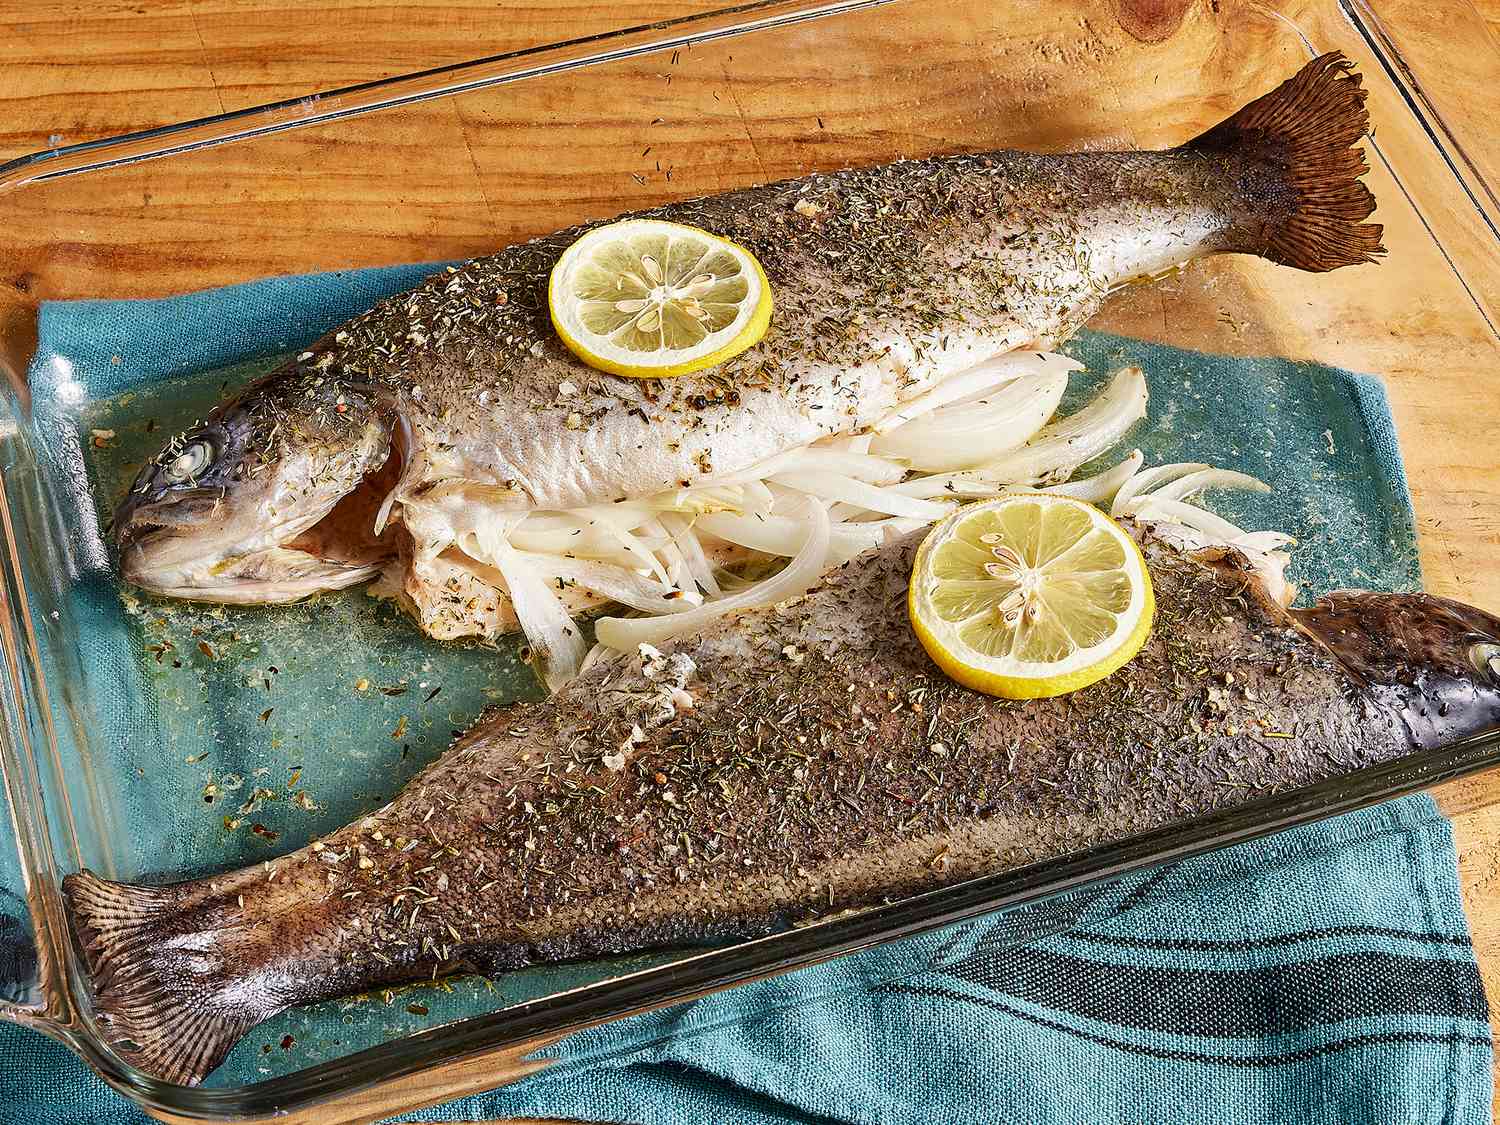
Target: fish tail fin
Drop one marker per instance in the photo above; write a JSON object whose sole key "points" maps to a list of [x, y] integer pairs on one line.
{"points": [[151, 998], [1292, 152]]}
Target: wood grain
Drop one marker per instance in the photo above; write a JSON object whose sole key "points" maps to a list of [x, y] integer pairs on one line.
{"points": [[462, 175]]}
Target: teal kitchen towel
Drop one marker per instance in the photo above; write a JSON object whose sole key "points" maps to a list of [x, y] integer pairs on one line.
{"points": [[1322, 975]]}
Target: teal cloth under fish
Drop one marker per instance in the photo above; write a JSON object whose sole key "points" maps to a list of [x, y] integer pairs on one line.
{"points": [[1322, 975]]}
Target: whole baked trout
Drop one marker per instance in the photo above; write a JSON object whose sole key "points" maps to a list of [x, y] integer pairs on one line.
{"points": [[785, 764], [408, 442]]}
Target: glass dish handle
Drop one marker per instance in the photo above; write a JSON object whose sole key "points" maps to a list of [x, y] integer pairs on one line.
{"points": [[22, 995], [33, 926]]}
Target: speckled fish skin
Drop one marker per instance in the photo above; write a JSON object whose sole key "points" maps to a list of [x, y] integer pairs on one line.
{"points": [[789, 763], [886, 281]]}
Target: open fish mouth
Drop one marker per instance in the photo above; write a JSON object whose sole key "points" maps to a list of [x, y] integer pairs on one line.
{"points": [[268, 575], [273, 576], [193, 547]]}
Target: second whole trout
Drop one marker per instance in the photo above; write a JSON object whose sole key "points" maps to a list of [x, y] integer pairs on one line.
{"points": [[786, 764]]}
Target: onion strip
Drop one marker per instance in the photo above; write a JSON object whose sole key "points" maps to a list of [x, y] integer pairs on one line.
{"points": [[782, 535], [556, 644], [1265, 541], [1103, 488], [1080, 437], [799, 576], [831, 486], [976, 380], [628, 540], [1176, 511], [1056, 451], [1186, 486], [613, 582], [692, 552], [1144, 481], [859, 466], [964, 435]]}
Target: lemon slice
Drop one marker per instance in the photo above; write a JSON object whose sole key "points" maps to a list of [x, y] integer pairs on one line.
{"points": [[1030, 596], [649, 299]]}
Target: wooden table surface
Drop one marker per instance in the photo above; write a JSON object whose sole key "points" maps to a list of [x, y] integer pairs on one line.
{"points": [[71, 72]]}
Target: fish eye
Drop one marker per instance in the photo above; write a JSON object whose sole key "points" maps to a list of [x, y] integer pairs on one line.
{"points": [[1486, 658], [192, 460]]}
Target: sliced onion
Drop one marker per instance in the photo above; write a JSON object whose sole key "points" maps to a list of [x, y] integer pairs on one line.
{"points": [[550, 523], [841, 512], [964, 435], [782, 535], [652, 564], [851, 539], [1175, 511], [1100, 489], [758, 471], [770, 535], [967, 484], [578, 532], [758, 496], [847, 443], [585, 542], [1142, 482], [701, 498], [1265, 541], [799, 576], [1186, 486], [976, 380], [627, 515], [968, 415], [655, 539], [1056, 451], [831, 486], [860, 466], [545, 523], [1080, 437], [556, 645], [616, 583], [692, 552]]}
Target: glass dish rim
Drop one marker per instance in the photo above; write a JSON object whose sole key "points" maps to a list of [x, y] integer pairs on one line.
{"points": [[713, 970], [447, 80]]}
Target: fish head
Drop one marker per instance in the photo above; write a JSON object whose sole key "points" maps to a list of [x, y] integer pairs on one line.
{"points": [[271, 499], [1435, 661]]}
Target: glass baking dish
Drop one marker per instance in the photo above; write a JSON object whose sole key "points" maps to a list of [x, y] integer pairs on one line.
{"points": [[497, 150]]}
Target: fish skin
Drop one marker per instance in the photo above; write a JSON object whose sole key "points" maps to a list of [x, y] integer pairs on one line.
{"points": [[824, 763], [886, 281], [987, 253]]}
